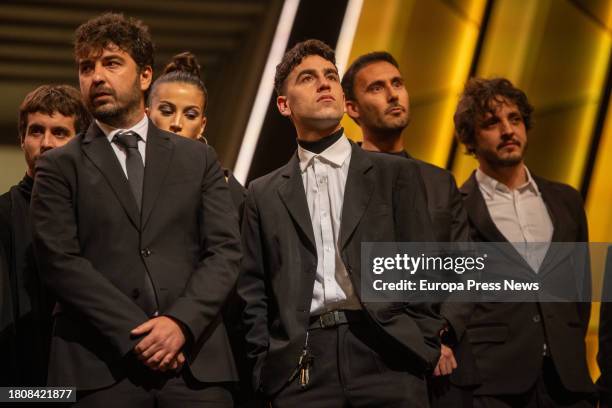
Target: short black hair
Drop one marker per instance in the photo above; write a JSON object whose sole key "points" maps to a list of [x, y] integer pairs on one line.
{"points": [[294, 57], [348, 80], [479, 97], [129, 34], [49, 99]]}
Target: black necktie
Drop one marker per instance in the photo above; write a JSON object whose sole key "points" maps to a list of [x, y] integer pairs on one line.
{"points": [[135, 173], [134, 165]]}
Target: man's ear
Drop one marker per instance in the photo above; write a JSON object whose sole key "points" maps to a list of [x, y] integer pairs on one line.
{"points": [[146, 76], [283, 105], [352, 109]]}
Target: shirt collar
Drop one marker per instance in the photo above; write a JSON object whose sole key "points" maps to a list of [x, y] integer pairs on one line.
{"points": [[142, 127], [335, 154], [489, 185]]}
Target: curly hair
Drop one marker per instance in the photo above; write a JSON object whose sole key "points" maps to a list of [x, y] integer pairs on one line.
{"points": [[479, 97], [129, 34], [49, 99], [348, 80], [294, 57], [184, 68]]}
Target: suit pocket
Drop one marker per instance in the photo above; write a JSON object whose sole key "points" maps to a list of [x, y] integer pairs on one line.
{"points": [[487, 334]]}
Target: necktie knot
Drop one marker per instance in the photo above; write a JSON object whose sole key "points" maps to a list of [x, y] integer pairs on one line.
{"points": [[127, 139]]}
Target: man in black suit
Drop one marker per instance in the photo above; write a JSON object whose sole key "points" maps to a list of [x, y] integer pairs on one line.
{"points": [[132, 233], [49, 116], [314, 341], [532, 353], [377, 100]]}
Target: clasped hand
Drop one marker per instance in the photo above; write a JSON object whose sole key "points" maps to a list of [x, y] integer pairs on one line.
{"points": [[160, 348]]}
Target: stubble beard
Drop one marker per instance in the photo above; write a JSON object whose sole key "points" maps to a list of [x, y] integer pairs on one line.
{"points": [[496, 160], [117, 113]]}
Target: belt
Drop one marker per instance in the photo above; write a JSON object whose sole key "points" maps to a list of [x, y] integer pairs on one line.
{"points": [[335, 318]]}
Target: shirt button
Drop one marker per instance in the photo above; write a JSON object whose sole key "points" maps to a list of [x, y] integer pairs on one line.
{"points": [[536, 319], [145, 252]]}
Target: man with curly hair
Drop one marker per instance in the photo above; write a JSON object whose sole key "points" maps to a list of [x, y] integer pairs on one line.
{"points": [[529, 354], [132, 233]]}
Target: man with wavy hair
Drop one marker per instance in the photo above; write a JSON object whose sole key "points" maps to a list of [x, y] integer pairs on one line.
{"points": [[529, 354], [133, 235]]}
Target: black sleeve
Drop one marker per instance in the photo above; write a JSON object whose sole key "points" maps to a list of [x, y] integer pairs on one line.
{"points": [[252, 288], [217, 270], [72, 277]]}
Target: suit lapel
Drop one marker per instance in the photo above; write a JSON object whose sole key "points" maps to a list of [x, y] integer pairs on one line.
{"points": [[478, 212], [293, 196], [480, 217], [158, 157], [555, 253], [97, 148], [357, 193]]}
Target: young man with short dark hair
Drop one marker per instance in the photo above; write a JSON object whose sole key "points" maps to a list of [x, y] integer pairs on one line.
{"points": [[313, 340], [378, 101], [49, 117]]}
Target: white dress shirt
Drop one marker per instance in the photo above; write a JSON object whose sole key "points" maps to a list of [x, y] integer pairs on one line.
{"points": [[324, 176], [141, 128], [520, 215]]}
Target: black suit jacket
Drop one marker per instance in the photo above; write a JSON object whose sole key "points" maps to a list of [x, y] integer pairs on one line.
{"points": [[383, 201], [450, 224], [94, 248], [507, 338], [604, 355]]}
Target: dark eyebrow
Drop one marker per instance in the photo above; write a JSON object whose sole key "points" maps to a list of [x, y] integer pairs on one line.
{"points": [[305, 72], [60, 128], [379, 82], [489, 121], [167, 103], [34, 126], [330, 71]]}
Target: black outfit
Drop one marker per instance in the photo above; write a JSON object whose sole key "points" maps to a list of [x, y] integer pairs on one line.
{"points": [[507, 338], [7, 326], [604, 355], [450, 224], [30, 301], [383, 201], [97, 251]]}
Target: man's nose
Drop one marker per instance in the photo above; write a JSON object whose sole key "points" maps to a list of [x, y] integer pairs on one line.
{"points": [[47, 142]]}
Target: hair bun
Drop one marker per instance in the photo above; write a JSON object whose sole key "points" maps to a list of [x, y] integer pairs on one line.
{"points": [[184, 62]]}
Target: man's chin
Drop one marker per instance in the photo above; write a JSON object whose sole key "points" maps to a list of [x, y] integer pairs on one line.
{"points": [[325, 122], [510, 160], [103, 113]]}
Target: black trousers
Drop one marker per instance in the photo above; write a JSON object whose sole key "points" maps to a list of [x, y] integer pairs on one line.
{"points": [[144, 388], [352, 368], [444, 394], [548, 392]]}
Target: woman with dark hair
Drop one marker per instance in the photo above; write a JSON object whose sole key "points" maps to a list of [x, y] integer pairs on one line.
{"points": [[177, 103], [178, 98]]}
